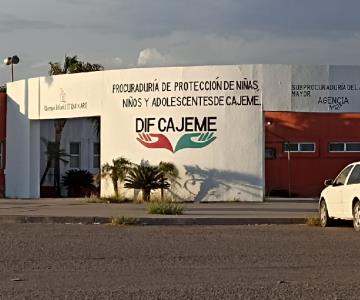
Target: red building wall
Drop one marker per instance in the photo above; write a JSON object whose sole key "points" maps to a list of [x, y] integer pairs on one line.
{"points": [[304, 173], [2, 142]]}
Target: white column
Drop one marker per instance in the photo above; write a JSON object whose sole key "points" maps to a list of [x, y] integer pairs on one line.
{"points": [[22, 174]]}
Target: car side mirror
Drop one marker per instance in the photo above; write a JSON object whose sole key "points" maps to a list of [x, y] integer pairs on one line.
{"points": [[328, 182]]}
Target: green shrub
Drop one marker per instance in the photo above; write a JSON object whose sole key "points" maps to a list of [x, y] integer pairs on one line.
{"points": [[124, 221], [165, 208], [79, 183], [110, 199], [313, 221], [117, 172], [146, 178]]}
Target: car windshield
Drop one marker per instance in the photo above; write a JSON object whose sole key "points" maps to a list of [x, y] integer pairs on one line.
{"points": [[341, 178], [355, 175]]}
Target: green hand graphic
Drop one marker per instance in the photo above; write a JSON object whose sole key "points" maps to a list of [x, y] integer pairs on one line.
{"points": [[200, 140]]}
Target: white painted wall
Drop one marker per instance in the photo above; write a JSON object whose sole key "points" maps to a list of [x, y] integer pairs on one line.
{"points": [[22, 145], [230, 168], [221, 171]]}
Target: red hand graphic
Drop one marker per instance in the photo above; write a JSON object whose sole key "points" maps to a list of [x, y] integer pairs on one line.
{"points": [[161, 142]]}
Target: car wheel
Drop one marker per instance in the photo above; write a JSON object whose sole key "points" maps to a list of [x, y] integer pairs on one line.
{"points": [[324, 216], [356, 216]]}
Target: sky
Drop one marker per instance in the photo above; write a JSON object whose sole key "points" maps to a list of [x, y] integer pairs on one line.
{"points": [[143, 33]]}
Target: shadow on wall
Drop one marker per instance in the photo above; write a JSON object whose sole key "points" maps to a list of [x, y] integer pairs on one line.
{"points": [[49, 79], [221, 185], [18, 133]]}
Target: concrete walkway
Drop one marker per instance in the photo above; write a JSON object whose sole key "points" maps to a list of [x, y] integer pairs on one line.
{"points": [[272, 211]]}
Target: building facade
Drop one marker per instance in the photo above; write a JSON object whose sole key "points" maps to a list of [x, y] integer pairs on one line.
{"points": [[237, 133]]}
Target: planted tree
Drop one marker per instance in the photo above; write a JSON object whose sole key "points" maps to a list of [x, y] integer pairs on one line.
{"points": [[169, 172], [71, 65], [146, 178], [117, 172], [79, 183]]}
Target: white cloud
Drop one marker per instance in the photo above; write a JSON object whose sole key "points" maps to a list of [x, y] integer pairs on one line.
{"points": [[118, 61], [168, 33], [152, 57]]}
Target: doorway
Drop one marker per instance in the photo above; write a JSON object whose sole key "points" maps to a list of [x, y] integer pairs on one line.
{"points": [[70, 157]]}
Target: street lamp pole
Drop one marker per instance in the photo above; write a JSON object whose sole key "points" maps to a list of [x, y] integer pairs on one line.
{"points": [[12, 61]]}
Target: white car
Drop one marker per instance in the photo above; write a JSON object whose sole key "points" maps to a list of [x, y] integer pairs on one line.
{"points": [[340, 198]]}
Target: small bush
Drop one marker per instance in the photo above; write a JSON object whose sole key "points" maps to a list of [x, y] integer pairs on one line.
{"points": [[165, 208], [110, 199], [313, 221], [116, 221], [79, 183]]}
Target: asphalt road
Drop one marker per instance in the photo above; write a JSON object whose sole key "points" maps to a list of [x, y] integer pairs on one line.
{"points": [[168, 262]]}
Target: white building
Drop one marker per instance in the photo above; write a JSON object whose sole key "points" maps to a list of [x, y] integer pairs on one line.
{"points": [[209, 121]]}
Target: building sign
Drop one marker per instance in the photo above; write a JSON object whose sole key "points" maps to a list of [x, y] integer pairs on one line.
{"points": [[325, 88], [332, 96], [189, 93], [70, 96], [196, 132], [176, 133], [64, 104]]}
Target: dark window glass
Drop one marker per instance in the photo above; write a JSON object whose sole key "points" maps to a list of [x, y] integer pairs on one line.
{"points": [[307, 147], [270, 153], [96, 148], [353, 147], [299, 147], [340, 180], [333, 147], [75, 148], [355, 175], [96, 157], [74, 155], [292, 147]]}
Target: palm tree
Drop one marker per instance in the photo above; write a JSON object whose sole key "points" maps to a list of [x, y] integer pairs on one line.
{"points": [[79, 183], [117, 172], [146, 178], [71, 65], [170, 172]]}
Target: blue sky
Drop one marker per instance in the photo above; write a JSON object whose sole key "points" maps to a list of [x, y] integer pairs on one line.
{"points": [[144, 33]]}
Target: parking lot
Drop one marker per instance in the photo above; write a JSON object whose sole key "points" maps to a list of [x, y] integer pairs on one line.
{"points": [[178, 262]]}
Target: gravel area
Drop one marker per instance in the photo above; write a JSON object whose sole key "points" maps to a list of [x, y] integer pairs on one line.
{"points": [[39, 261]]}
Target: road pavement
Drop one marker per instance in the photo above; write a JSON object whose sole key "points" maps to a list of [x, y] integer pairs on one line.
{"points": [[58, 261]]}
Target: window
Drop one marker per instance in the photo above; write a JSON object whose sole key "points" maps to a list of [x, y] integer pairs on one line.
{"points": [[336, 147], [340, 179], [299, 147], [270, 153], [74, 155], [344, 147], [355, 175], [96, 155]]}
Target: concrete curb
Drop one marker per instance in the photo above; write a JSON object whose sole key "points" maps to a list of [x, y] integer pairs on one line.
{"points": [[53, 220], [150, 220]]}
